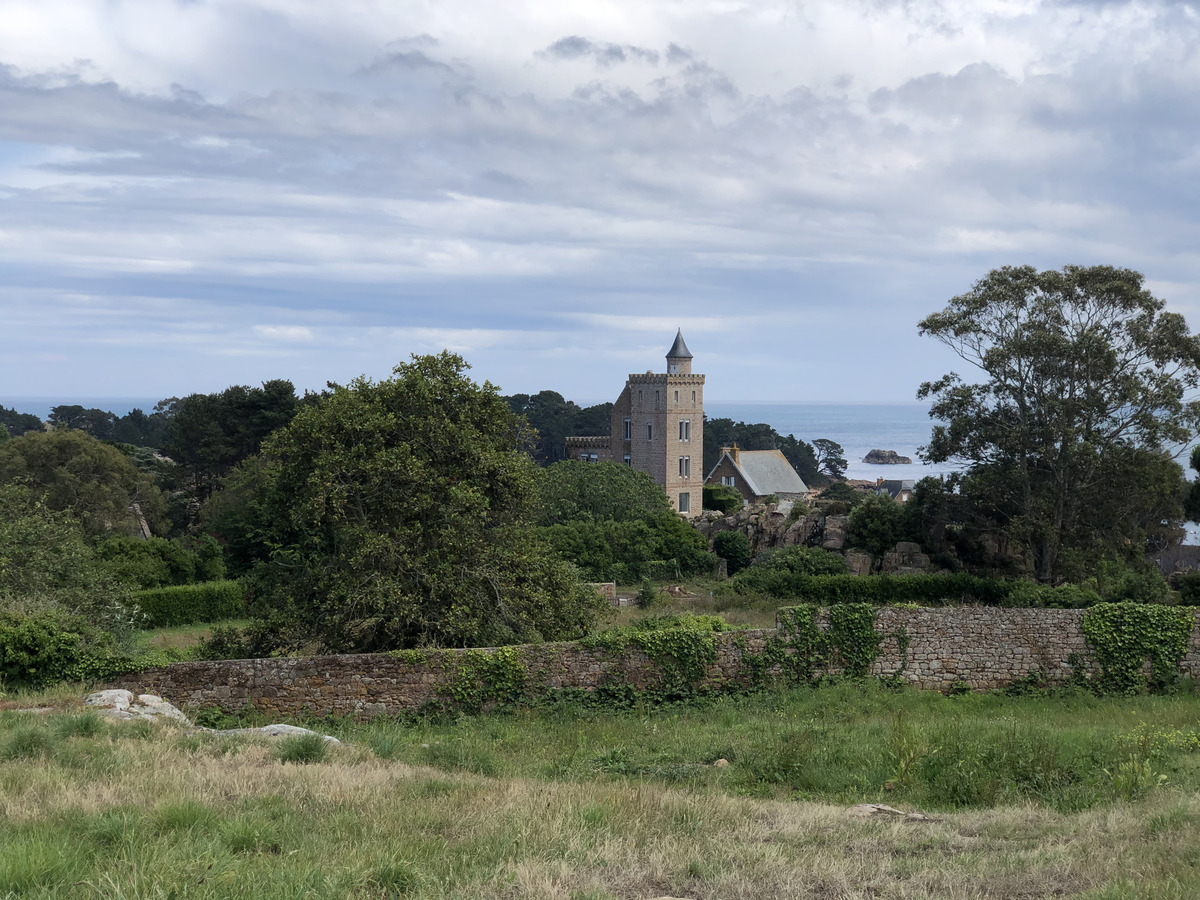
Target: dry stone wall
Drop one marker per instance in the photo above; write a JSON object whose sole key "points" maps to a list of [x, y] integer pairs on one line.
{"points": [[980, 647]]}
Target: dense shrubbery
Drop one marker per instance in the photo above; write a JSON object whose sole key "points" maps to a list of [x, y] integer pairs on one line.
{"points": [[213, 601], [159, 562], [806, 575], [616, 524], [658, 546], [734, 548], [722, 498]]}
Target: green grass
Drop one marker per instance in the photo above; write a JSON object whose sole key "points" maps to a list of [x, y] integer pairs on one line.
{"points": [[1029, 797], [846, 743], [183, 637]]}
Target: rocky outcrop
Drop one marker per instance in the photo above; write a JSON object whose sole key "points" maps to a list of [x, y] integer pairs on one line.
{"points": [[834, 537], [906, 559], [858, 562], [886, 458]]}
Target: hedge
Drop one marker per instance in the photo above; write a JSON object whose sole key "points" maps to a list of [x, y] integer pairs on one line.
{"points": [[211, 601], [926, 590]]}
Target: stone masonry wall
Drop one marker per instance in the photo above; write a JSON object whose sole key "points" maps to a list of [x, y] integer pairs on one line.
{"points": [[982, 647]]}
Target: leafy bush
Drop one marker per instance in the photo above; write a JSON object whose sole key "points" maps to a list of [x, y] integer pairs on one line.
{"points": [[185, 604], [722, 498], [159, 562], [575, 491], [734, 548], [661, 545], [1188, 585], [840, 492], [778, 579], [43, 643], [875, 525]]}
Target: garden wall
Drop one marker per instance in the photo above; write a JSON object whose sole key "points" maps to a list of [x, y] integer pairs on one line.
{"points": [[980, 647]]}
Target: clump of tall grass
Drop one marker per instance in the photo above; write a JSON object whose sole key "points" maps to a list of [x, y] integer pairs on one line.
{"points": [[303, 749]]}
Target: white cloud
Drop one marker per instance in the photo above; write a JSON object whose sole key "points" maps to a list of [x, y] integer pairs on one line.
{"points": [[284, 181]]}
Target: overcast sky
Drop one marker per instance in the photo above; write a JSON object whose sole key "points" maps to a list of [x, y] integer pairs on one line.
{"points": [[196, 193]]}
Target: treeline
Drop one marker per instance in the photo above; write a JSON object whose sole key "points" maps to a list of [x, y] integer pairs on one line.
{"points": [[555, 418]]}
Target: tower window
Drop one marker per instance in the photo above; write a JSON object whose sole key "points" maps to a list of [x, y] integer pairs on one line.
{"points": [[685, 503], [628, 428], [685, 429], [673, 368], [685, 467], [649, 431], [677, 396], [693, 398]]}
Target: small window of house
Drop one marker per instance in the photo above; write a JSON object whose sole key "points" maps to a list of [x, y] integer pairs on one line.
{"points": [[628, 461]]}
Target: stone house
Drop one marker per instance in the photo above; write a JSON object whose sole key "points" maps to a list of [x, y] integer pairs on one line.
{"points": [[657, 427], [756, 474]]}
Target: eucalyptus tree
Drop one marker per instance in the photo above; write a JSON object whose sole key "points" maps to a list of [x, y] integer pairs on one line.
{"points": [[1068, 439]]}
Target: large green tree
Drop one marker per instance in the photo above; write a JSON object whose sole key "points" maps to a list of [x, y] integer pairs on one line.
{"points": [[211, 433], [399, 514], [71, 471], [554, 419], [575, 491], [1066, 439]]}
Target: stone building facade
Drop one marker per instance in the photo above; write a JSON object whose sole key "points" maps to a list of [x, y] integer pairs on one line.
{"points": [[757, 474], [657, 427]]}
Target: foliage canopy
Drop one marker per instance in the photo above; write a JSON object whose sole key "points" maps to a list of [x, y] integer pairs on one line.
{"points": [[1085, 384], [71, 471], [399, 512]]}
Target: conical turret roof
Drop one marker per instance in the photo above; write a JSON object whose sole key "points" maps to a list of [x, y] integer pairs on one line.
{"points": [[679, 349]]}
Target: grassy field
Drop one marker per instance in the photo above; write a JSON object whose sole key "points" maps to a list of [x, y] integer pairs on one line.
{"points": [[1064, 796]]}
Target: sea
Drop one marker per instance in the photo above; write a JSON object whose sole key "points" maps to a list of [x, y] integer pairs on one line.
{"points": [[858, 427]]}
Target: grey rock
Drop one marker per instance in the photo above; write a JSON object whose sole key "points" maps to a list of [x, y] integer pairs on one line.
{"points": [[886, 458], [121, 704], [858, 563], [834, 537]]}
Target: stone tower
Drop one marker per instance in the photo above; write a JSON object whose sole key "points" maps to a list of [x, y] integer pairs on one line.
{"points": [[658, 427]]}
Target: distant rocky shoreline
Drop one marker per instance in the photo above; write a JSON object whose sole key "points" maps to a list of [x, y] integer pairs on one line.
{"points": [[886, 458]]}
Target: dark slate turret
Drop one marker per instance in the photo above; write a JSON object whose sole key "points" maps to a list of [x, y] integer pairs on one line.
{"points": [[679, 357]]}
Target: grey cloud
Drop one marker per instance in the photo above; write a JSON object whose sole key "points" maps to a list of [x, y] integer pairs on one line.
{"points": [[603, 54], [405, 61], [438, 195]]}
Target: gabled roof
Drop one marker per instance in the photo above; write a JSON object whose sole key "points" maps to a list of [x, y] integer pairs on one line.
{"points": [[894, 488], [767, 472], [679, 349]]}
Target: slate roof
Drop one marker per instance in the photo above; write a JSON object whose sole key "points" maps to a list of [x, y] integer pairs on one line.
{"points": [[679, 349], [893, 487], [768, 472]]}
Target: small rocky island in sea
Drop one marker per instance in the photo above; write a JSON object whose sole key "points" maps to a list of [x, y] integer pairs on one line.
{"points": [[886, 458]]}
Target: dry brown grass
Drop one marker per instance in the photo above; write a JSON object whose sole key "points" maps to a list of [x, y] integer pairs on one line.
{"points": [[457, 835]]}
